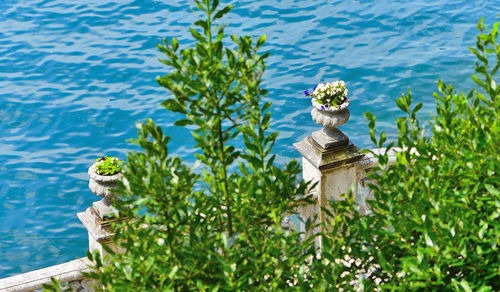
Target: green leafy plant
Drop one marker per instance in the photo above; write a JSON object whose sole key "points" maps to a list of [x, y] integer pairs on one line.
{"points": [[435, 215], [108, 165], [216, 226]]}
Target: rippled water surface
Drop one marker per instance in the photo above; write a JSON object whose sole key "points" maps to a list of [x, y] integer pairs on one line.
{"points": [[76, 75]]}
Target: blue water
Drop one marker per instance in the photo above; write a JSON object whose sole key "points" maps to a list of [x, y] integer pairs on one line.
{"points": [[76, 75]]}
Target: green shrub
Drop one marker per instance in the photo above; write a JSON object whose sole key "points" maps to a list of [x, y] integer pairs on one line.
{"points": [[435, 223], [218, 226]]}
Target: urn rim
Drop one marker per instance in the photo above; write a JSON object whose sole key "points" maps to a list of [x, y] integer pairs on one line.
{"points": [[102, 178], [331, 109]]}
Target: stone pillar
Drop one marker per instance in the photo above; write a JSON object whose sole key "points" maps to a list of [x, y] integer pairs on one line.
{"points": [[328, 159], [98, 230], [98, 218]]}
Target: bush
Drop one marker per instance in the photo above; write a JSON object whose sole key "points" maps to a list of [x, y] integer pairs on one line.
{"points": [[435, 220], [218, 227]]}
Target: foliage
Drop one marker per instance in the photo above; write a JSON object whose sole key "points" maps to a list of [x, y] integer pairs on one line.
{"points": [[435, 220], [218, 227], [108, 165], [329, 94]]}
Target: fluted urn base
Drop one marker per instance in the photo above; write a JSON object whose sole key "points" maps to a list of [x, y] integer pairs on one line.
{"points": [[329, 138]]}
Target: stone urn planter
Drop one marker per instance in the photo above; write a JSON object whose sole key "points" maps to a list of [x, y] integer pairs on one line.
{"points": [[330, 118], [102, 185]]}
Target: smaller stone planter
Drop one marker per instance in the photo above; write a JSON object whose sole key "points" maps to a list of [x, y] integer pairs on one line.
{"points": [[330, 118], [102, 185]]}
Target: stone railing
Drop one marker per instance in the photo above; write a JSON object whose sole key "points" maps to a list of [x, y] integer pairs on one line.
{"points": [[69, 274]]}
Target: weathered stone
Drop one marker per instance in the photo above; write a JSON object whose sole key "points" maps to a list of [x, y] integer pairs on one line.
{"points": [[66, 272], [99, 232], [330, 119], [329, 138], [102, 185], [333, 169], [327, 159]]}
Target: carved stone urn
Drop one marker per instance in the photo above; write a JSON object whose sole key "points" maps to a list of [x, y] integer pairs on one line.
{"points": [[102, 186], [330, 118]]}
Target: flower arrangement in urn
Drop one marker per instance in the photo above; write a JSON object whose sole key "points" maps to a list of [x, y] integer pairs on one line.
{"points": [[104, 174], [329, 96], [108, 165], [330, 102]]}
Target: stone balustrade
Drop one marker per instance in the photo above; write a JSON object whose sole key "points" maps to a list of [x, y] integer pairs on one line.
{"points": [[69, 274]]}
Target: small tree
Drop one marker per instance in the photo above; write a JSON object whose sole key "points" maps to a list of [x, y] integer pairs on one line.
{"points": [[435, 221], [218, 228]]}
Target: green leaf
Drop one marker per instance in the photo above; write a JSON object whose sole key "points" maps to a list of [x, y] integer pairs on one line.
{"points": [[261, 41], [266, 106], [428, 240], [465, 285], [478, 55], [223, 11], [494, 30], [271, 138], [173, 272], [203, 24], [478, 81], [199, 5], [175, 44], [402, 105], [417, 107], [197, 35], [382, 139], [215, 4], [252, 147], [183, 122], [492, 190], [441, 87], [173, 105]]}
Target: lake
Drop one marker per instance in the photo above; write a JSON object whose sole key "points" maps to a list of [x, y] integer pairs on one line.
{"points": [[77, 75]]}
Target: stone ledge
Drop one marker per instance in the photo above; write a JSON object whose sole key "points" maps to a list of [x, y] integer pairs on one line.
{"points": [[34, 280], [327, 159]]}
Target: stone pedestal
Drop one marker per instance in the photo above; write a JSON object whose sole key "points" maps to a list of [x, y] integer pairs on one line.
{"points": [[98, 218], [328, 159], [98, 229]]}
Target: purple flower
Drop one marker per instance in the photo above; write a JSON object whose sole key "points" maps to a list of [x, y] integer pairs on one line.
{"points": [[326, 105], [306, 92], [322, 107], [102, 158]]}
